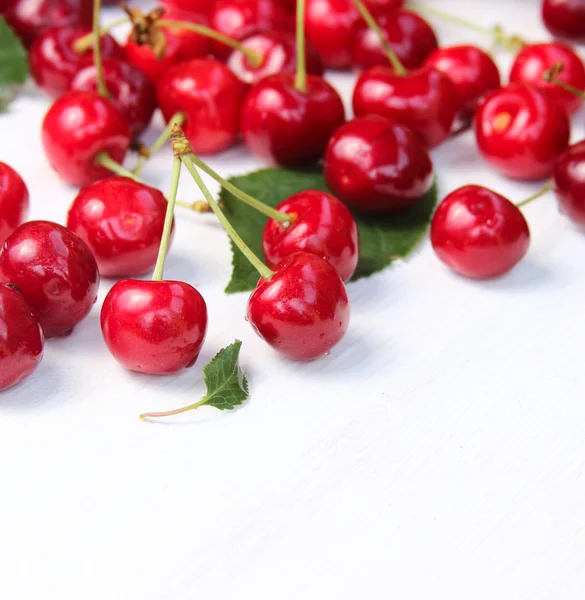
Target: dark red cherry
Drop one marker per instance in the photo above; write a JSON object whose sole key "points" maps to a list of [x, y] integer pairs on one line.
{"points": [[192, 7], [535, 59], [21, 338], [375, 165], [569, 182], [55, 272], [277, 52], [54, 61], [323, 225], [131, 92], [121, 221], [155, 327], [478, 233], [425, 100], [302, 311], [520, 131], [77, 128], [409, 36], [565, 18], [289, 127], [383, 6], [13, 201]]}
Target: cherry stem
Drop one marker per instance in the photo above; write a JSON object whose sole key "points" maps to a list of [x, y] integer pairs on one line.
{"points": [[84, 43], [176, 411], [541, 192], [551, 76], [168, 226], [301, 75], [97, 51], [371, 22]]}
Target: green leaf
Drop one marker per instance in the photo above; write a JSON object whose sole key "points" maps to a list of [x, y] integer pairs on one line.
{"points": [[382, 239], [13, 64]]}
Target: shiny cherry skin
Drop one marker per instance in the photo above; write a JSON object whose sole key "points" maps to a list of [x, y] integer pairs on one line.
{"points": [[520, 131], [14, 201], [323, 226], [534, 59], [375, 165], [54, 270], [193, 7], [424, 99], [478, 233], [408, 34], [569, 182], [288, 127], [302, 311], [54, 61], [131, 92], [78, 127], [472, 71], [565, 19], [155, 327], [21, 338], [277, 52], [121, 221]]}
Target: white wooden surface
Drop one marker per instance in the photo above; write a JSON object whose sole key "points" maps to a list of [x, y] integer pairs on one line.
{"points": [[437, 453]]}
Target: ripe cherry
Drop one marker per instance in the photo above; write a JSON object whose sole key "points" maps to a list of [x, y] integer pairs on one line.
{"points": [[565, 18], [121, 221], [383, 6], [55, 272], [323, 225], [21, 338], [77, 129], [13, 201], [520, 131], [478, 233], [193, 7], [375, 165], [569, 182]]}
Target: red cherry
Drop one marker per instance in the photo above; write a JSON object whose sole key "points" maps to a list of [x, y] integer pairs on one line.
{"points": [[131, 92], [193, 7], [375, 165], [478, 233], [520, 131], [424, 99], [408, 34], [77, 128], [565, 18], [121, 221], [302, 311], [55, 272], [323, 226], [13, 201], [21, 338], [155, 327], [54, 61], [535, 59], [569, 182], [383, 6], [277, 52]]}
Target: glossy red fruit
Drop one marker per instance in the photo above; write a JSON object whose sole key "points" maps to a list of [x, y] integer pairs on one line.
{"points": [[478, 233], [131, 92], [78, 127], [569, 182], [21, 338], [302, 311], [408, 34], [193, 7], [535, 59], [277, 52], [13, 201], [55, 272], [520, 131], [425, 100], [383, 6], [54, 61], [121, 221], [155, 327], [375, 165], [565, 18], [323, 226], [288, 127]]}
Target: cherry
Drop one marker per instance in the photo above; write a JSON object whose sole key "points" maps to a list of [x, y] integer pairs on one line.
{"points": [[322, 225], [408, 34], [121, 221], [77, 129], [376, 165], [534, 60], [569, 182], [565, 18], [194, 7], [13, 201], [21, 338], [383, 6], [55, 272], [478, 233], [54, 60], [520, 131]]}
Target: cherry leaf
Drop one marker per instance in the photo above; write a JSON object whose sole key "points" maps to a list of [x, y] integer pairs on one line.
{"points": [[13, 64]]}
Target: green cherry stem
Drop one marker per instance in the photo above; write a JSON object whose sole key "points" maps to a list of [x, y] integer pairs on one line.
{"points": [[552, 76], [301, 74], [176, 411], [84, 43], [547, 187], [97, 51]]}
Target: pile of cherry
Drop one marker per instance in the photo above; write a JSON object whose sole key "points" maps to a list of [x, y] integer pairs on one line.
{"points": [[224, 69]]}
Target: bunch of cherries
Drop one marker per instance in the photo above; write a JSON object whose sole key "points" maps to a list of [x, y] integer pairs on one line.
{"points": [[221, 70]]}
